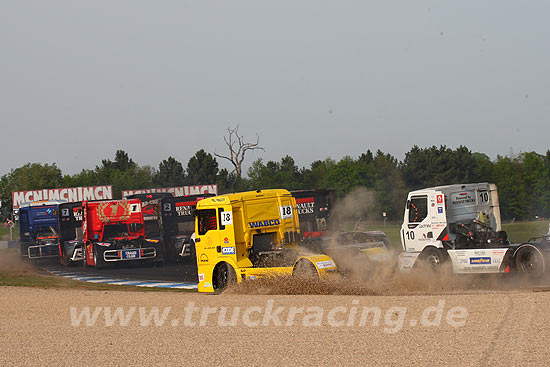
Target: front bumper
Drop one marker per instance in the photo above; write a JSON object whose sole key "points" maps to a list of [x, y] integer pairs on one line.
{"points": [[144, 253], [43, 251]]}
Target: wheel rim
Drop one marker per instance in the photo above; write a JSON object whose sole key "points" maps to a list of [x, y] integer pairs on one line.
{"points": [[433, 260], [529, 262]]}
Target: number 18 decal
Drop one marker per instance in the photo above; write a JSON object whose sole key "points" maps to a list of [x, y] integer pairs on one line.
{"points": [[286, 211], [227, 218]]}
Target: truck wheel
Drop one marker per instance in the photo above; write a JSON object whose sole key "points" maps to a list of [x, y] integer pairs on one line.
{"points": [[224, 275], [98, 258], [305, 269], [192, 252], [529, 261], [433, 259]]}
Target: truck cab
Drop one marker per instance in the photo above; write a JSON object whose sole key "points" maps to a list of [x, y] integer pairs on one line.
{"points": [[460, 225], [113, 231], [39, 230], [248, 235]]}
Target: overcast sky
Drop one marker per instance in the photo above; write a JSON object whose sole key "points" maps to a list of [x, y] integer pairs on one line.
{"points": [[79, 80]]}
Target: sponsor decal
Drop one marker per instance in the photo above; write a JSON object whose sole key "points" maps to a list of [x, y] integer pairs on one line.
{"points": [[480, 260], [264, 223], [465, 197], [177, 191], [305, 205], [440, 210], [77, 213], [228, 250], [325, 264], [207, 285], [251, 277], [226, 240], [440, 199], [72, 194], [203, 258], [185, 208], [201, 277]]}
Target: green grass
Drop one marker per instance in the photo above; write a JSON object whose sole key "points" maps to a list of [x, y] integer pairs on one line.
{"points": [[523, 231], [5, 232]]}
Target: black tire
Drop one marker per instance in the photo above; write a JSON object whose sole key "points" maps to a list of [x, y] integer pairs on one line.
{"points": [[305, 269], [98, 257], [192, 252], [433, 259], [224, 276], [529, 262]]}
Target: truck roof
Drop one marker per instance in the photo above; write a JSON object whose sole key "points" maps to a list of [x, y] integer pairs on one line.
{"points": [[244, 196], [449, 188]]}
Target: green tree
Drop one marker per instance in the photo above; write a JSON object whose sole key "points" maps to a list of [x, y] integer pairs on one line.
{"points": [[31, 176], [511, 188], [170, 173], [389, 186], [202, 169], [123, 174]]}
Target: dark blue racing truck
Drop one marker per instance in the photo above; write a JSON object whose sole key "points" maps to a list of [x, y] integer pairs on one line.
{"points": [[39, 230]]}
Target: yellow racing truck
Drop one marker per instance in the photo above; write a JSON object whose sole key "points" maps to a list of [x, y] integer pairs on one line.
{"points": [[248, 235]]}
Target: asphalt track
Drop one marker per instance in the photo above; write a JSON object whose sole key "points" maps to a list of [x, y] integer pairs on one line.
{"points": [[178, 272]]}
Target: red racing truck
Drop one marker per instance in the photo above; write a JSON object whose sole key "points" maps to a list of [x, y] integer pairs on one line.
{"points": [[113, 231]]}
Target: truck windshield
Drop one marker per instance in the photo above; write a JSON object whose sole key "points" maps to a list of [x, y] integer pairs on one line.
{"points": [[111, 231]]}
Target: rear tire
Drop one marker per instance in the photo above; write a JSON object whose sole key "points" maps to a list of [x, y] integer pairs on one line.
{"points": [[305, 269], [224, 276], [529, 262]]}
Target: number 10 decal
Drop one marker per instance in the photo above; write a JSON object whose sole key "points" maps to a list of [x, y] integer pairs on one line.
{"points": [[286, 211]]}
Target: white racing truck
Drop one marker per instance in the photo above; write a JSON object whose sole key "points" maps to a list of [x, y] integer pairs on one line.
{"points": [[460, 226]]}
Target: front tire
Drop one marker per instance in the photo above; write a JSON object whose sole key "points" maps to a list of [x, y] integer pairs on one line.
{"points": [[98, 257], [433, 259], [224, 276]]}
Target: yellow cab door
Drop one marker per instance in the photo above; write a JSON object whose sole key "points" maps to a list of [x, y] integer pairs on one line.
{"points": [[214, 241]]}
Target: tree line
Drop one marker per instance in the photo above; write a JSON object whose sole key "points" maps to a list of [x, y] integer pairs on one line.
{"points": [[523, 180]]}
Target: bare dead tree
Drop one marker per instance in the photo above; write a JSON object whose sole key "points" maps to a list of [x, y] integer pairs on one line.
{"points": [[238, 148]]}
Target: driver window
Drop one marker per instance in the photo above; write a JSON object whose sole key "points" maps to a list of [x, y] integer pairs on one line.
{"points": [[418, 209], [207, 221]]}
